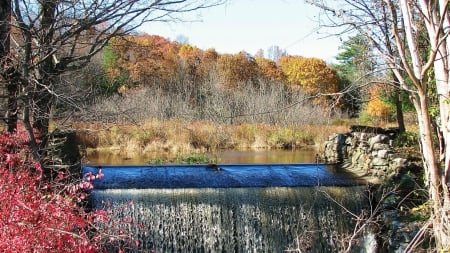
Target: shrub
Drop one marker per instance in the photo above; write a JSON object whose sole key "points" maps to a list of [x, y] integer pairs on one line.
{"points": [[41, 216], [407, 139]]}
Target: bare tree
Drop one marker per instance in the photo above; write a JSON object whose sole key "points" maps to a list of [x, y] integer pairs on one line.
{"points": [[47, 38], [9, 103], [275, 53], [394, 27]]}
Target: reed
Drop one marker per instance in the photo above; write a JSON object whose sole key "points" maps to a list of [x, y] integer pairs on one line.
{"points": [[187, 137]]}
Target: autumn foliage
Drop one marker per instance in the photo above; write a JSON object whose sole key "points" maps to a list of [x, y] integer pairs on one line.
{"points": [[376, 107], [270, 70], [150, 59], [144, 59], [153, 61], [41, 216], [311, 74]]}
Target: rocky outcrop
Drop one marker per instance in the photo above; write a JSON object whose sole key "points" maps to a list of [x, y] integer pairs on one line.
{"points": [[365, 151]]}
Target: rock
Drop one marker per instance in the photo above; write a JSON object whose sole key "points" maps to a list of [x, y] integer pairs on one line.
{"points": [[380, 138], [367, 150], [399, 162], [383, 153], [380, 146], [376, 161]]}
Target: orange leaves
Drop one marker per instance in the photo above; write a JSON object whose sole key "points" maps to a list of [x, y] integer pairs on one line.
{"points": [[235, 68], [149, 59], [376, 107], [146, 58], [270, 70]]}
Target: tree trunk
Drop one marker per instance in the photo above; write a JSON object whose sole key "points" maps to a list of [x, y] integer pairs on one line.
{"points": [[442, 219], [41, 113], [442, 74], [437, 176], [399, 107], [12, 108], [46, 71], [7, 70]]}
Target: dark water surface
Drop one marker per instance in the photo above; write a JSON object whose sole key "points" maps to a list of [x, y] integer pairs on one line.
{"points": [[217, 176]]}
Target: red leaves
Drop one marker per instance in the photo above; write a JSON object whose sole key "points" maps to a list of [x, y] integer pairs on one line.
{"points": [[41, 216], [36, 216], [33, 220]]}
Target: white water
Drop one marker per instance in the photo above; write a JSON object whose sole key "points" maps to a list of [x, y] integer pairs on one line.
{"points": [[271, 219]]}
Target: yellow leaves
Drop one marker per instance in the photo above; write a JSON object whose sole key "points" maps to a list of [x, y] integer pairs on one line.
{"points": [[311, 74], [122, 89], [188, 51], [376, 107]]}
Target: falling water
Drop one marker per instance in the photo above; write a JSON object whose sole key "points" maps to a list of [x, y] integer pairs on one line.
{"points": [[256, 219]]}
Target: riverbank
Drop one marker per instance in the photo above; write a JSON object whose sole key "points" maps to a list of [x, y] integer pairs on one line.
{"points": [[172, 138], [399, 202]]}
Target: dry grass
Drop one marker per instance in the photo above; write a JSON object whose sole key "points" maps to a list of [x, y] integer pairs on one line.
{"points": [[182, 137]]}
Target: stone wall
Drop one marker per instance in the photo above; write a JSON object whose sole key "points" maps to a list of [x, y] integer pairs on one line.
{"points": [[365, 151]]}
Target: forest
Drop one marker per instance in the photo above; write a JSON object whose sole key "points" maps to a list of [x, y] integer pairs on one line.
{"points": [[182, 81], [149, 90]]}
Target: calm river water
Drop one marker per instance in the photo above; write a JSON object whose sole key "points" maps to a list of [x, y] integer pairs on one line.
{"points": [[224, 157]]}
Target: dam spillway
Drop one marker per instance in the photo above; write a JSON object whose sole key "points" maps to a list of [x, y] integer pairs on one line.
{"points": [[217, 176], [229, 207]]}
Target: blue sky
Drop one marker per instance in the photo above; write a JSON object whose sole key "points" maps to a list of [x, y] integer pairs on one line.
{"points": [[250, 25]]}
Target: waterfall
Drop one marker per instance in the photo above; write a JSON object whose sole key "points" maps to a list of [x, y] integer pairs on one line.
{"points": [[258, 219]]}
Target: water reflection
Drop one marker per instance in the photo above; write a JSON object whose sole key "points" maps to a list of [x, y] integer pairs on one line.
{"points": [[271, 219], [268, 156], [224, 156]]}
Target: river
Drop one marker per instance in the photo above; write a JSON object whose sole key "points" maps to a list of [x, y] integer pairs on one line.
{"points": [[212, 217], [223, 156]]}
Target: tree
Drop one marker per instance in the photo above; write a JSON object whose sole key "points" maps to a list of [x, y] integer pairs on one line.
{"points": [[146, 59], [235, 68], [375, 106], [269, 70], [358, 68], [53, 37], [355, 61], [6, 77], [191, 61], [313, 75], [275, 53], [393, 28]]}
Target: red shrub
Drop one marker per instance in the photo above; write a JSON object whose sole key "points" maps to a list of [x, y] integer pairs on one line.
{"points": [[38, 216]]}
